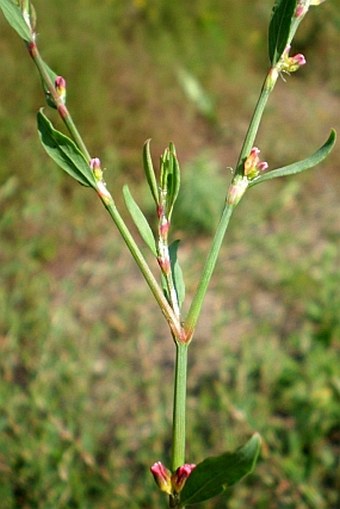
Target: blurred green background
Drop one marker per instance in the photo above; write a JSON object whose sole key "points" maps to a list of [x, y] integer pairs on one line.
{"points": [[85, 358]]}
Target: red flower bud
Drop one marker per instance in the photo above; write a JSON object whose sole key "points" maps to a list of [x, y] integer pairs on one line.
{"points": [[180, 477], [95, 166], [289, 64], [162, 477], [60, 86]]}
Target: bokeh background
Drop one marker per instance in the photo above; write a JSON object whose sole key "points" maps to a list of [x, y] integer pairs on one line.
{"points": [[85, 357]]}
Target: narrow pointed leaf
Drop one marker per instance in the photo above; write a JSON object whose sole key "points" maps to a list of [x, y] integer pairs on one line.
{"points": [[64, 152], [150, 172], [214, 475], [176, 176], [280, 28], [169, 178], [177, 272], [15, 18], [139, 220], [299, 166]]}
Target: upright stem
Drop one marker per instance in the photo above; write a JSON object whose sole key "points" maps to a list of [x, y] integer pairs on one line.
{"points": [[62, 109], [180, 388], [208, 269], [166, 309], [254, 124]]}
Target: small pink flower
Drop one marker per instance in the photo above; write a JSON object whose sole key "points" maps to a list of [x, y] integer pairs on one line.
{"points": [[289, 64], [162, 477], [60, 86], [181, 475], [301, 8], [298, 60], [95, 164], [252, 165], [96, 167], [262, 166]]}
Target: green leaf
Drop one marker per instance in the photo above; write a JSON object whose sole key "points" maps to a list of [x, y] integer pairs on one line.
{"points": [[170, 178], [177, 272], [139, 220], [299, 166], [150, 172], [280, 28], [15, 18], [214, 475], [64, 152]]}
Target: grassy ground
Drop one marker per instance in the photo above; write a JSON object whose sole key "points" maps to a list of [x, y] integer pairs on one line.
{"points": [[86, 362]]}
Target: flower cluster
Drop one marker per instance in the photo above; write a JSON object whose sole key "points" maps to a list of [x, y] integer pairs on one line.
{"points": [[253, 166], [303, 6], [170, 483], [60, 87], [97, 171], [290, 64]]}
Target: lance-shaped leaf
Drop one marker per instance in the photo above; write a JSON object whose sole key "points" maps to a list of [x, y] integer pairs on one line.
{"points": [[170, 178], [214, 475], [150, 172], [177, 272], [139, 220], [280, 28], [15, 18], [64, 152], [299, 166]]}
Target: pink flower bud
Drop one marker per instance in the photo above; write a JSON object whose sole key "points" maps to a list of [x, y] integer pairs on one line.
{"points": [[289, 64], [162, 477], [296, 61], [95, 163], [60, 86], [180, 477], [262, 166], [164, 227], [301, 8], [95, 166]]}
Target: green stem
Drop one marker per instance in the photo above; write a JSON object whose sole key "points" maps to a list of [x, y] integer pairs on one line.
{"points": [[167, 311], [178, 423], [165, 307], [254, 124], [248, 143], [62, 109], [208, 269]]}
